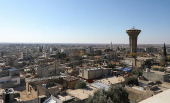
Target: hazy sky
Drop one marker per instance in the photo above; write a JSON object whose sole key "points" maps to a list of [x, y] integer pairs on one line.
{"points": [[84, 21]]}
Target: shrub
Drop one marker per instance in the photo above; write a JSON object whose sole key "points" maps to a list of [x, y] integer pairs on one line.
{"points": [[137, 72], [133, 80], [80, 84], [115, 94], [156, 69]]}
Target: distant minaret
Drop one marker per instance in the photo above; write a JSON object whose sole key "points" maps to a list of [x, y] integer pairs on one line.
{"points": [[111, 46]]}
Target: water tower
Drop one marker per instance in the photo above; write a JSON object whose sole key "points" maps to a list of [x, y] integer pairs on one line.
{"points": [[133, 36]]}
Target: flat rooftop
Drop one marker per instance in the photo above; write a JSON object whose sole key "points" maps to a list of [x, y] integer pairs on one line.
{"points": [[64, 98], [111, 80], [93, 69], [82, 93], [158, 72], [162, 97], [25, 96], [44, 78], [70, 78], [13, 69]]}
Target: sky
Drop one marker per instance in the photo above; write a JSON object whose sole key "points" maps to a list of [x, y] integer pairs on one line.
{"points": [[84, 21]]}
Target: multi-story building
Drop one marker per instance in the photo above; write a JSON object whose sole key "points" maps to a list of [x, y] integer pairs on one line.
{"points": [[90, 74], [151, 50], [89, 50], [47, 71], [9, 77], [25, 55], [140, 50]]}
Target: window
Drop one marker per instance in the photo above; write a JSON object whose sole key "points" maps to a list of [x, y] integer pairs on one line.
{"points": [[15, 81]]}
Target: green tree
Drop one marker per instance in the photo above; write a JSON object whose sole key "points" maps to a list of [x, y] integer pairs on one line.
{"points": [[164, 58], [118, 48], [98, 52], [163, 62], [40, 49], [165, 53], [137, 72], [61, 55], [67, 59], [107, 50], [133, 80], [115, 94], [80, 84]]}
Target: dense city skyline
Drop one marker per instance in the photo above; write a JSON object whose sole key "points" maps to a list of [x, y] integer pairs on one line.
{"points": [[84, 21]]}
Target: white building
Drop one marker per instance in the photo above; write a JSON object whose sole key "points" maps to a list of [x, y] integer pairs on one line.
{"points": [[111, 46], [9, 77], [25, 55]]}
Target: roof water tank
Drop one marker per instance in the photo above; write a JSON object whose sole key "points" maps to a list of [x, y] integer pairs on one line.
{"points": [[44, 85], [147, 70]]}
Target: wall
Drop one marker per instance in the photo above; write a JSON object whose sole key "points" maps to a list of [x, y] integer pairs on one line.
{"points": [[86, 74], [136, 94], [16, 79], [6, 85], [33, 92], [98, 73], [14, 73], [42, 71], [166, 78], [4, 73], [41, 91], [156, 77], [53, 90], [7, 78], [105, 71], [72, 84], [128, 61], [92, 74], [79, 101], [35, 82]]}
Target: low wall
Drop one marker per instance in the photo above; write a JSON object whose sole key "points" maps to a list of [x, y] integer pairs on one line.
{"points": [[6, 85], [152, 76], [136, 95]]}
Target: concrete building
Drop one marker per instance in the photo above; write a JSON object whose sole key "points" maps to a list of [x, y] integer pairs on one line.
{"points": [[111, 46], [168, 50], [130, 62], [156, 76], [9, 77], [25, 55], [133, 35], [89, 50], [70, 82], [84, 93], [90, 74], [53, 49], [47, 70], [151, 50], [41, 88], [140, 50]]}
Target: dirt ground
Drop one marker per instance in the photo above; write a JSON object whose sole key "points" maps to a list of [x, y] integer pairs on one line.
{"points": [[135, 97]]}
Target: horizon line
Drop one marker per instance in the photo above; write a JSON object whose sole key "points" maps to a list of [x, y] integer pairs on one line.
{"points": [[74, 43]]}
